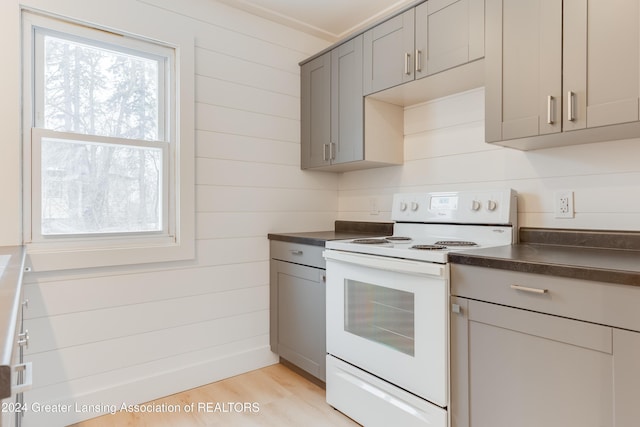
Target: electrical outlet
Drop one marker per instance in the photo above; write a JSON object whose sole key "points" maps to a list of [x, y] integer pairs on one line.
{"points": [[564, 204]]}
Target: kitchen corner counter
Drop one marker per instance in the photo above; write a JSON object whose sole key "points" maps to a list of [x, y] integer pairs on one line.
{"points": [[343, 230], [601, 256], [11, 268]]}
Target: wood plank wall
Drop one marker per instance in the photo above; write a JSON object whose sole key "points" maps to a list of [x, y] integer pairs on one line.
{"points": [[132, 334]]}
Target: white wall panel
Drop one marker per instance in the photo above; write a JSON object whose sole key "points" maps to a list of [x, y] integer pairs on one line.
{"points": [[246, 72], [238, 122], [260, 175], [217, 145], [227, 225], [50, 296], [246, 98], [282, 200], [140, 332]]}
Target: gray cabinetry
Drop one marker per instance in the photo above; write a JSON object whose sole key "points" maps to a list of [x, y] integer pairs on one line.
{"points": [[448, 33], [432, 37], [347, 103], [297, 305], [513, 362], [334, 134], [315, 109], [561, 73], [388, 53], [523, 69], [332, 107]]}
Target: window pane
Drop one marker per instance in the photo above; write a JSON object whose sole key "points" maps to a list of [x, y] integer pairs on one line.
{"points": [[96, 91], [100, 188]]}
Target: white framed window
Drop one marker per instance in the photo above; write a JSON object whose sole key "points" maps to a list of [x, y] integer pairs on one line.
{"points": [[102, 172]]}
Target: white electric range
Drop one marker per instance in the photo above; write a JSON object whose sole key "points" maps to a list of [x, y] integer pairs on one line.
{"points": [[387, 305]]}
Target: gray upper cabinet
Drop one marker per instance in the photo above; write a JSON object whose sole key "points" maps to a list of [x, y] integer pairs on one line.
{"points": [[347, 105], [601, 62], [448, 33], [388, 53], [432, 37], [332, 107], [561, 73], [315, 109], [334, 133], [523, 62]]}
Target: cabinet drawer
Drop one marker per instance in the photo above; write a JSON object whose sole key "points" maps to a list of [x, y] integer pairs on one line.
{"points": [[597, 302], [298, 253]]}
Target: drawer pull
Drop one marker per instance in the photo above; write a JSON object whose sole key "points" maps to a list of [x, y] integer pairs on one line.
{"points": [[296, 252], [528, 289]]}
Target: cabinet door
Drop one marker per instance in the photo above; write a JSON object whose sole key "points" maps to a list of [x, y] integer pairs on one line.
{"points": [[347, 102], [448, 33], [523, 59], [601, 62], [315, 127], [529, 369], [626, 350], [388, 53], [300, 296]]}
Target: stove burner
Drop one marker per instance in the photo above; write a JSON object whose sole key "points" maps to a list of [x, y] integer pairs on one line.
{"points": [[398, 239], [370, 241], [456, 243], [429, 247]]}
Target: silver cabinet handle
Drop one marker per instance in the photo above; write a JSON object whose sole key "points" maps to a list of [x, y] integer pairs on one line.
{"points": [[528, 289], [418, 61], [407, 65], [570, 111], [324, 152], [332, 151], [456, 308], [23, 339], [296, 252], [550, 112]]}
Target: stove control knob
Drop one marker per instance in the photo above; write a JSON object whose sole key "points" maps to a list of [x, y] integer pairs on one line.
{"points": [[414, 206], [491, 205], [475, 205], [403, 206]]}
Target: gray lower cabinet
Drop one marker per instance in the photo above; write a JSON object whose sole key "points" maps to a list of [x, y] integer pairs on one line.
{"points": [[297, 305], [512, 365], [561, 73]]}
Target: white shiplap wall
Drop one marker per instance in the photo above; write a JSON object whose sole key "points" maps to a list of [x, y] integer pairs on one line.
{"points": [[131, 334], [445, 149]]}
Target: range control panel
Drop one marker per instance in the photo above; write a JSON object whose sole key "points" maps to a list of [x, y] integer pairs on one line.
{"points": [[464, 207]]}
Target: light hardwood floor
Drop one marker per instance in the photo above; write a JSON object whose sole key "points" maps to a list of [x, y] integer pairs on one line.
{"points": [[281, 396]]}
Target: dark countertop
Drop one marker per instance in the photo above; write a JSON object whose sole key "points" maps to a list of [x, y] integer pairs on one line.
{"points": [[612, 257], [343, 230], [11, 267]]}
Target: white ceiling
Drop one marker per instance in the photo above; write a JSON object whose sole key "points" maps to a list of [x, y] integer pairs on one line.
{"points": [[330, 19]]}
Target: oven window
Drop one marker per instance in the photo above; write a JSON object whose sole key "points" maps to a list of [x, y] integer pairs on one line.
{"points": [[380, 314]]}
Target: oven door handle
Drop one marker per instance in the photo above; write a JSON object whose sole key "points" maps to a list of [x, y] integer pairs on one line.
{"points": [[386, 263]]}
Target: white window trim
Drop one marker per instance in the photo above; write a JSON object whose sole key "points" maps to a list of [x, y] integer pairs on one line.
{"points": [[178, 242]]}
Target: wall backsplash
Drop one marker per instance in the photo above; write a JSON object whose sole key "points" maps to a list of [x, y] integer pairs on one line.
{"points": [[445, 150]]}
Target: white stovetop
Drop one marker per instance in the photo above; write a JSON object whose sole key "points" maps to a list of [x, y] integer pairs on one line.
{"points": [[484, 236]]}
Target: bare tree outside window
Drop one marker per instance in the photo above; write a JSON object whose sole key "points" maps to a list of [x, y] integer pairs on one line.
{"points": [[90, 187]]}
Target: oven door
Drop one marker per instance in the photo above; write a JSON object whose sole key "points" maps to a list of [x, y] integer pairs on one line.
{"points": [[387, 316]]}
